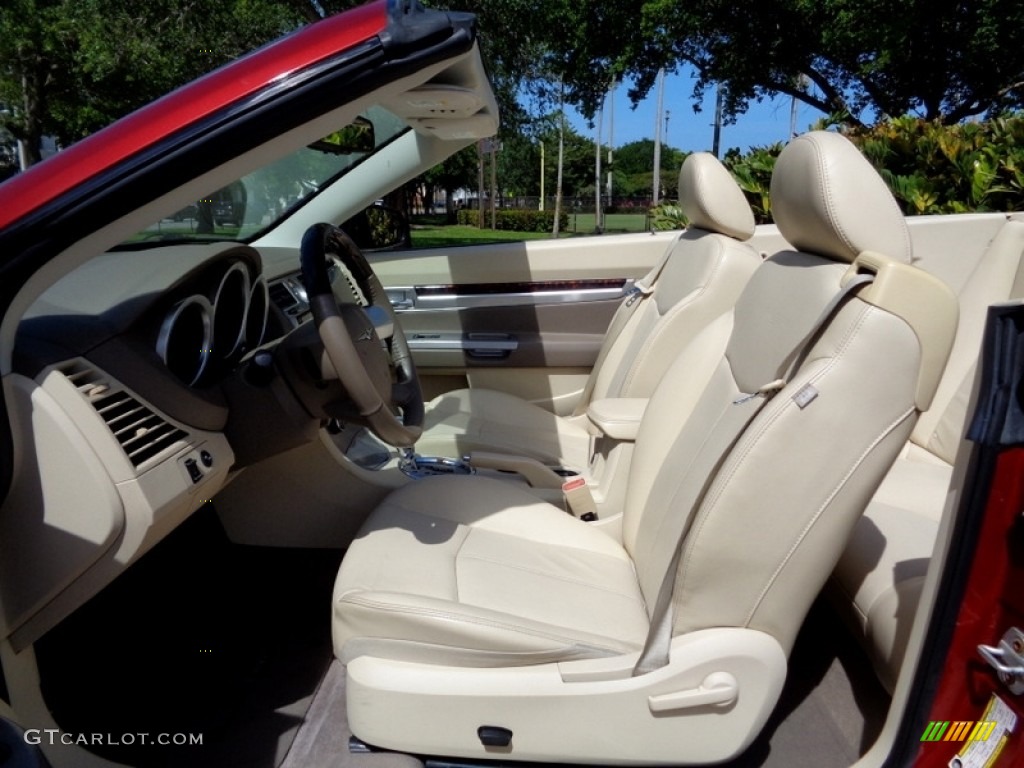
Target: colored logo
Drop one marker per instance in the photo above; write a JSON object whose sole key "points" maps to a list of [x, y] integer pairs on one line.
{"points": [[960, 730]]}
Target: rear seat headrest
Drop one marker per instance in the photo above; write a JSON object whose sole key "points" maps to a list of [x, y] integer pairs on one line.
{"points": [[828, 200], [711, 198]]}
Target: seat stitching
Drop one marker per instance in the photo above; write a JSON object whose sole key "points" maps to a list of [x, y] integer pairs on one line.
{"points": [[778, 411], [455, 563], [733, 466], [668, 521], [392, 503], [683, 304], [821, 509], [567, 579], [453, 616]]}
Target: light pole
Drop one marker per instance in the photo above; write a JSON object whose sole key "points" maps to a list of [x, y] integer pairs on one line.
{"points": [[541, 208], [561, 158], [611, 135], [597, 169], [656, 186], [718, 120]]}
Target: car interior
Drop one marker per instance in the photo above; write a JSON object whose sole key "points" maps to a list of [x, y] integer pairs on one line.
{"points": [[655, 499]]}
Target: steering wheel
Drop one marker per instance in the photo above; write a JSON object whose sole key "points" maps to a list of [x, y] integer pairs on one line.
{"points": [[366, 346]]}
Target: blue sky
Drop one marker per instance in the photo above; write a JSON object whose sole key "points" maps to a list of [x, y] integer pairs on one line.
{"points": [[763, 123]]}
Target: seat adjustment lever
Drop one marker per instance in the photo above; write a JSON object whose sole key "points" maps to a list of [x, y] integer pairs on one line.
{"points": [[716, 688]]}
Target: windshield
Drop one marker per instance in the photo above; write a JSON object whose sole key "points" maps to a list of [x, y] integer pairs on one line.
{"points": [[259, 200]]}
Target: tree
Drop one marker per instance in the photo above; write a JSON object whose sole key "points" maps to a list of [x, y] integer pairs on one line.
{"points": [[457, 172], [634, 168], [8, 155], [70, 67], [943, 60], [30, 52], [519, 166], [516, 39], [577, 163]]}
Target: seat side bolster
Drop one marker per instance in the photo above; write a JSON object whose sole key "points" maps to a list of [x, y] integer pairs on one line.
{"points": [[701, 282], [448, 632], [927, 305]]}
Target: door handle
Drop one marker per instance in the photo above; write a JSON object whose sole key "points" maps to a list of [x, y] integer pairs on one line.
{"points": [[401, 298]]}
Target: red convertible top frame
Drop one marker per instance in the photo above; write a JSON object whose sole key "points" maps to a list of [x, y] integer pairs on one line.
{"points": [[189, 104]]}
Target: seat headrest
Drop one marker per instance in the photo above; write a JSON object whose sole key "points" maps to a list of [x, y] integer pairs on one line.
{"points": [[828, 200], [711, 198]]}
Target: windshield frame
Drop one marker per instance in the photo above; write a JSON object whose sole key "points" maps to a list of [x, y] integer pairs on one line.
{"points": [[388, 128]]}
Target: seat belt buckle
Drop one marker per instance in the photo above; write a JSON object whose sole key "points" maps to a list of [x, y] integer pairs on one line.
{"points": [[579, 499]]}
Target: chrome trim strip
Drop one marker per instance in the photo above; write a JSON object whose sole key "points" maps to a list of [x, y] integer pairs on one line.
{"points": [[167, 329], [409, 301], [256, 314], [235, 338], [457, 341]]}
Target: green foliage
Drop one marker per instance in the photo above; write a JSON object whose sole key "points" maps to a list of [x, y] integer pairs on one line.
{"points": [[931, 168], [70, 67], [941, 60], [934, 168], [634, 163], [753, 172], [385, 227], [577, 163], [516, 219], [668, 216], [456, 172]]}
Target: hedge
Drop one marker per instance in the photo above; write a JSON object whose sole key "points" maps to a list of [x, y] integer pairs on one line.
{"points": [[933, 168], [930, 167], [516, 219]]}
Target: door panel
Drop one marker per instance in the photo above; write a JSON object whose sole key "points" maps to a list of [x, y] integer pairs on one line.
{"points": [[525, 318]]}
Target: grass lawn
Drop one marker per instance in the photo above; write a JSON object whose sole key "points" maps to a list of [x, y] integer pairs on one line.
{"points": [[427, 236], [431, 232], [583, 223], [168, 229]]}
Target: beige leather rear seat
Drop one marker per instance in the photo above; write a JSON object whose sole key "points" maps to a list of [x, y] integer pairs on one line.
{"points": [[881, 573]]}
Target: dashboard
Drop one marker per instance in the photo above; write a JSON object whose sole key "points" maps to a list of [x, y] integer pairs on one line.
{"points": [[130, 384]]}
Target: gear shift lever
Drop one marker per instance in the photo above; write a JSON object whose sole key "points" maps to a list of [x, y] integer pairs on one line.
{"points": [[407, 460], [414, 465]]}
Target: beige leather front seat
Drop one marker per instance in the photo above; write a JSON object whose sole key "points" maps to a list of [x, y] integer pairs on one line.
{"points": [[477, 621], [706, 269]]}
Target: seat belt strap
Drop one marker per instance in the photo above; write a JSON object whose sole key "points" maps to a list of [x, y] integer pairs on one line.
{"points": [[657, 646], [792, 362], [635, 296]]}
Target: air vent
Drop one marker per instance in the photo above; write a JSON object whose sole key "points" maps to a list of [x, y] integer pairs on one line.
{"points": [[141, 432], [282, 297], [87, 380]]}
